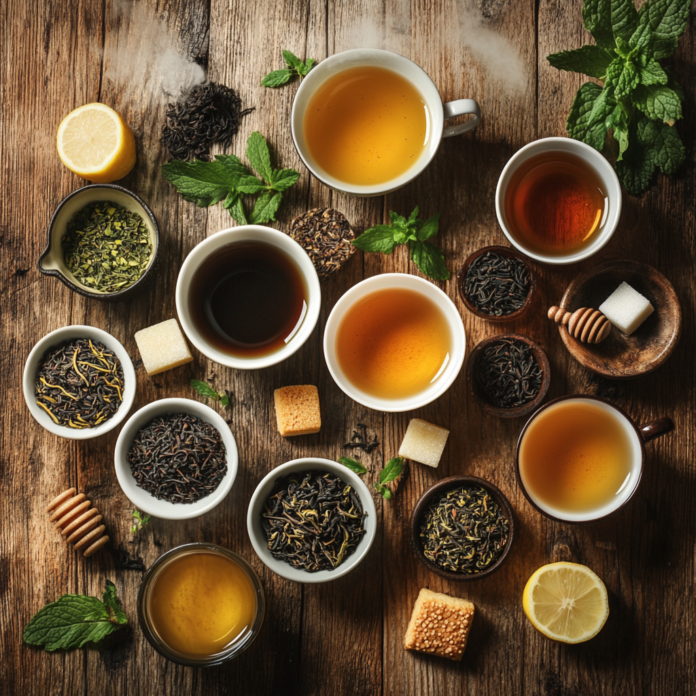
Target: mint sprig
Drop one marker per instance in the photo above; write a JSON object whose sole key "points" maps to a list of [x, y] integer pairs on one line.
{"points": [[296, 68], [206, 390], [414, 232], [353, 464], [639, 101], [390, 472], [228, 180], [140, 519], [72, 621]]}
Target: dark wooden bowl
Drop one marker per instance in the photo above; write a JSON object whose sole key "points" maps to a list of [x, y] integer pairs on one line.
{"points": [[429, 497], [502, 251], [480, 396], [620, 356]]}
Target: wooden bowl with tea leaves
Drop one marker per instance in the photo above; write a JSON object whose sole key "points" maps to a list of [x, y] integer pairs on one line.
{"points": [[448, 518], [508, 375]]}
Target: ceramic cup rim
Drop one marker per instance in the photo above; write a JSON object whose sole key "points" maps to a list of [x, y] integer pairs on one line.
{"points": [[61, 335], [607, 510], [595, 160], [257, 536], [385, 281], [252, 233], [161, 508], [144, 615], [368, 56]]}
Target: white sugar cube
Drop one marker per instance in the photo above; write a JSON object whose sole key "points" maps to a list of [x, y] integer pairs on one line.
{"points": [[162, 347], [424, 442], [626, 308]]}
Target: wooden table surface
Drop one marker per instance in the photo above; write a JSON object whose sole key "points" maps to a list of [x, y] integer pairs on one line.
{"points": [[343, 637]]}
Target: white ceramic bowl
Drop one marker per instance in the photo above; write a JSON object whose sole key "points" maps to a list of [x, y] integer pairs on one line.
{"points": [[162, 508], [248, 233], [258, 536], [409, 282], [437, 114], [54, 339], [603, 170]]}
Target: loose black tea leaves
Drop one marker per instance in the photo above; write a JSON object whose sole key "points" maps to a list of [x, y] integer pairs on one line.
{"points": [[465, 531], [207, 114], [497, 285], [313, 520], [359, 440], [79, 384], [107, 247], [509, 374], [178, 458]]}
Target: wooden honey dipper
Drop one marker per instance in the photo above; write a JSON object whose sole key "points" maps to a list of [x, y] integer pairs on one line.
{"points": [[585, 324], [78, 521]]}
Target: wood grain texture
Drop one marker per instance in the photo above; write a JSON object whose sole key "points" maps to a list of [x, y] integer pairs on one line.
{"points": [[344, 637]]}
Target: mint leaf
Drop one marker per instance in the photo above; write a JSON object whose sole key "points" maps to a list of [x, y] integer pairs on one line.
{"points": [[236, 210], [283, 179], [627, 80], [673, 84], [277, 78], [589, 60], [607, 19], [265, 208], [588, 114], [660, 24], [403, 233], [658, 102], [75, 620], [429, 228], [653, 74], [204, 389], [291, 60], [249, 184], [430, 260], [353, 464], [306, 67], [412, 218], [382, 490], [397, 219], [392, 470], [377, 238], [224, 400], [202, 183], [232, 165], [669, 153], [259, 155]]}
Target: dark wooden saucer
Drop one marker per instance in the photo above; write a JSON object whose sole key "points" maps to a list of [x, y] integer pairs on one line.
{"points": [[620, 356]]}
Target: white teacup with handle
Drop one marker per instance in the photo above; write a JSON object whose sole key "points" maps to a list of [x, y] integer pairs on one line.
{"points": [[436, 112]]}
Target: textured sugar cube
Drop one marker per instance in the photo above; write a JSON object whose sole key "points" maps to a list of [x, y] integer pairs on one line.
{"points": [[162, 347], [626, 308], [424, 442], [297, 410], [439, 625]]}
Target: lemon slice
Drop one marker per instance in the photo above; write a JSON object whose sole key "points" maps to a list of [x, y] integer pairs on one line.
{"points": [[96, 143], [566, 602]]}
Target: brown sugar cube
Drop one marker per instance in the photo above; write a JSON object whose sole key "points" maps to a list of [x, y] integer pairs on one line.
{"points": [[297, 410], [439, 625]]}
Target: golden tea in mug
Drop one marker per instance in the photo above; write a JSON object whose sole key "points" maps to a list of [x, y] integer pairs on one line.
{"points": [[366, 125], [575, 457], [393, 343], [555, 204]]}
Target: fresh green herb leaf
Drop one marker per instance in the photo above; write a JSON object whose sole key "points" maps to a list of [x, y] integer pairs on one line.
{"points": [[283, 179], [383, 491], [663, 140], [659, 103], [384, 238], [295, 68], [206, 390], [589, 60], [653, 74], [660, 24], [353, 464], [75, 620], [141, 519], [202, 183], [258, 155], [249, 185], [392, 470], [265, 208]]}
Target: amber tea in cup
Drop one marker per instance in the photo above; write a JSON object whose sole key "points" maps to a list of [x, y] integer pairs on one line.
{"points": [[393, 343], [366, 125], [248, 299], [576, 456], [555, 203]]}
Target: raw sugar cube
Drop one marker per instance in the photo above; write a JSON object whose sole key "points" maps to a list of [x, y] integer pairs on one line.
{"points": [[297, 410], [424, 442], [626, 308], [439, 625], [162, 347]]}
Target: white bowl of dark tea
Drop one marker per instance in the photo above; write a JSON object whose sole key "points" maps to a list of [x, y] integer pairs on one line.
{"points": [[394, 342], [248, 297], [176, 459], [558, 200], [580, 458], [344, 514]]}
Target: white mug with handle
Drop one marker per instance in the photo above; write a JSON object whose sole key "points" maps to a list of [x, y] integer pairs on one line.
{"points": [[437, 114]]}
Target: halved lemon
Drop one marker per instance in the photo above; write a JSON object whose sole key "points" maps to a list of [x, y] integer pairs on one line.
{"points": [[96, 143], [566, 602]]}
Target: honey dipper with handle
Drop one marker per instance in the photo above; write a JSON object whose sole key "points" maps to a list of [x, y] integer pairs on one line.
{"points": [[585, 324]]}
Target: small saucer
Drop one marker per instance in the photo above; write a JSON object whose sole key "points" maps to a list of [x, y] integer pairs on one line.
{"points": [[620, 356]]}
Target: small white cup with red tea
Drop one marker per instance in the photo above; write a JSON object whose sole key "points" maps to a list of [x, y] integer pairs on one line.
{"points": [[558, 200], [368, 121]]}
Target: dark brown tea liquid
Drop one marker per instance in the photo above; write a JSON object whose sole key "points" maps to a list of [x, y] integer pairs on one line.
{"points": [[248, 299], [555, 204]]}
